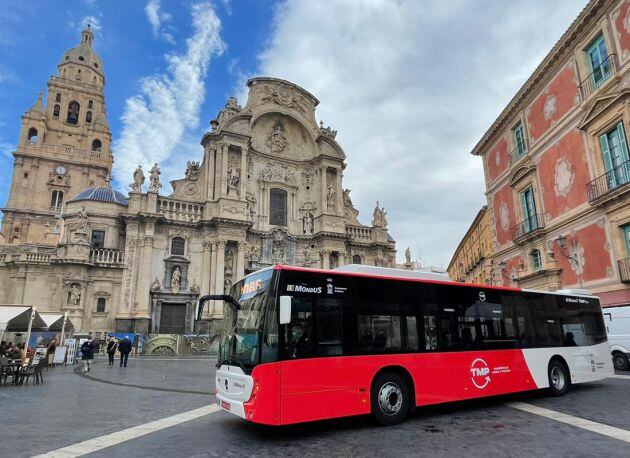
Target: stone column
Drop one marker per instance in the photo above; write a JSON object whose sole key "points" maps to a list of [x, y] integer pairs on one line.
{"points": [[324, 201], [240, 262], [206, 268], [243, 173], [325, 259], [338, 193], [145, 274], [219, 276]]}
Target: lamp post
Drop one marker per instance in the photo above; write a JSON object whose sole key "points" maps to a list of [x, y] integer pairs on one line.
{"points": [[502, 267], [562, 244], [28, 332], [63, 328]]}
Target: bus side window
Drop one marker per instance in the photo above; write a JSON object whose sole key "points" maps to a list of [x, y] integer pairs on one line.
{"points": [[412, 334], [430, 332], [270, 336], [298, 335]]}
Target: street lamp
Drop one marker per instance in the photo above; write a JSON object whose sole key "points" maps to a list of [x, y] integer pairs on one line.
{"points": [[562, 244], [502, 266]]}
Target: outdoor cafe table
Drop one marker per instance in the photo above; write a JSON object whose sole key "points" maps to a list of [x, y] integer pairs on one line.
{"points": [[19, 365]]}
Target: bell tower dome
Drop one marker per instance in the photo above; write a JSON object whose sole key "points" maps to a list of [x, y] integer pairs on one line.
{"points": [[64, 147]]}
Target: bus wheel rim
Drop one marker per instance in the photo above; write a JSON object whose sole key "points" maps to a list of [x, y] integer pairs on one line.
{"points": [[390, 398], [557, 378]]}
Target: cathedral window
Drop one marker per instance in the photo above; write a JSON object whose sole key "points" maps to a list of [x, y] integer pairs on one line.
{"points": [[100, 305], [278, 206], [88, 116], [90, 104], [96, 64], [73, 112], [356, 259], [58, 97], [96, 144], [56, 110], [177, 246], [56, 200], [32, 135]]}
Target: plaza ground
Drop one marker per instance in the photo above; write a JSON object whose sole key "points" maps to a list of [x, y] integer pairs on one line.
{"points": [[70, 408]]}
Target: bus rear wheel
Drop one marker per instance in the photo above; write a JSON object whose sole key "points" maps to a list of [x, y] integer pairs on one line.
{"points": [[620, 361], [389, 399], [559, 380]]}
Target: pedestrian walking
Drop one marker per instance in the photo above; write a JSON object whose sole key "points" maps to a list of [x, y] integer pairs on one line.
{"points": [[124, 347], [87, 354], [112, 346]]}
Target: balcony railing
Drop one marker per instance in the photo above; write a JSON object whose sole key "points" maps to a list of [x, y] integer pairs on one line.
{"points": [[107, 256], [608, 182], [519, 152], [598, 76], [624, 270], [528, 225], [180, 211], [359, 232]]}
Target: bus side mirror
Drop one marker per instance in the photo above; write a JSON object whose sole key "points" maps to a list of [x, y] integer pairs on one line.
{"points": [[285, 309]]}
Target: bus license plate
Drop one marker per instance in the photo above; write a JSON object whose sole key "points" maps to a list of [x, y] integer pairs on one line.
{"points": [[225, 405]]}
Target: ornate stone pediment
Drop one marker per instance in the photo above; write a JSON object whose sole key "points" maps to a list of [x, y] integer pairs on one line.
{"points": [[521, 173], [599, 106]]}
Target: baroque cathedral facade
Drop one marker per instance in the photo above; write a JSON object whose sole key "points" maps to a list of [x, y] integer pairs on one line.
{"points": [[268, 190]]}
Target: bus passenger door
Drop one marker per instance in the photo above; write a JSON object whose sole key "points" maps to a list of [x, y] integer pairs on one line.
{"points": [[317, 382]]}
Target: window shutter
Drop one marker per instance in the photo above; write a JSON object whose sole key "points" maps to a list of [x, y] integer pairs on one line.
{"points": [[525, 212], [603, 142], [623, 141]]}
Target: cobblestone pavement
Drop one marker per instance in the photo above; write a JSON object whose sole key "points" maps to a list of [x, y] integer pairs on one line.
{"points": [[70, 408]]}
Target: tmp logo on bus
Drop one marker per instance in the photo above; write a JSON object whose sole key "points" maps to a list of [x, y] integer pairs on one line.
{"points": [[480, 373]]}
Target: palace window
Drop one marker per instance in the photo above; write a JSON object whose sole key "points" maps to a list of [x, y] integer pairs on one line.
{"points": [[626, 236], [536, 259], [90, 104], [598, 62], [88, 116], [73, 112], [519, 139], [58, 97], [615, 156], [100, 305], [56, 200], [530, 219], [177, 246], [96, 145], [356, 259], [98, 240], [278, 207], [56, 110]]}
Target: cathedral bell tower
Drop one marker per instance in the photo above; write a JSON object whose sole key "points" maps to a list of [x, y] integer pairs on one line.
{"points": [[64, 147]]}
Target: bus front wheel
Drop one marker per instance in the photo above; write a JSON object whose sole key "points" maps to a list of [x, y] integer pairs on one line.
{"points": [[620, 361], [559, 380], [389, 398]]}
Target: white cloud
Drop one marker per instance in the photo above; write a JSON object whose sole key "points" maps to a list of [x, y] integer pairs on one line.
{"points": [[411, 86], [158, 18], [158, 121]]}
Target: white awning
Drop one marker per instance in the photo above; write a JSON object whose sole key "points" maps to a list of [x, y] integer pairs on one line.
{"points": [[16, 318], [54, 321]]}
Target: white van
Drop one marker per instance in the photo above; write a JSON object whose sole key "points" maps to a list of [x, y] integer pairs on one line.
{"points": [[617, 320]]}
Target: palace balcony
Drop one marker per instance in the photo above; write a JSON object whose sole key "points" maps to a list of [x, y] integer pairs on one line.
{"points": [[600, 74], [624, 270], [107, 257], [529, 227], [359, 233], [180, 211], [609, 182]]}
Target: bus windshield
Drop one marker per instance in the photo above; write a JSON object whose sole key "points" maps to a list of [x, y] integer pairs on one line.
{"points": [[242, 327]]}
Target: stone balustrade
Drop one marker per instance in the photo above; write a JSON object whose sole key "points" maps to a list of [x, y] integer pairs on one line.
{"points": [[57, 149], [38, 257], [359, 232], [107, 256], [176, 210]]}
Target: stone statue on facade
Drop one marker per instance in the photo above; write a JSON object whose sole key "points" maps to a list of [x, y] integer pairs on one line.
{"points": [[81, 228], [154, 178], [192, 170], [176, 280], [277, 140], [138, 179], [156, 285], [407, 256], [74, 297], [330, 194], [308, 223], [194, 287], [379, 218], [233, 178]]}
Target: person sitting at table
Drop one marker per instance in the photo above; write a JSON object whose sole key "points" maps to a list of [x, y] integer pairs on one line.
{"points": [[3, 348]]}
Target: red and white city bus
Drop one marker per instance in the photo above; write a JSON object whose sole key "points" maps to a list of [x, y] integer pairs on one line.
{"points": [[303, 344]]}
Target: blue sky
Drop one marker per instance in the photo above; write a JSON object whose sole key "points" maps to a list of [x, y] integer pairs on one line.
{"points": [[410, 86]]}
